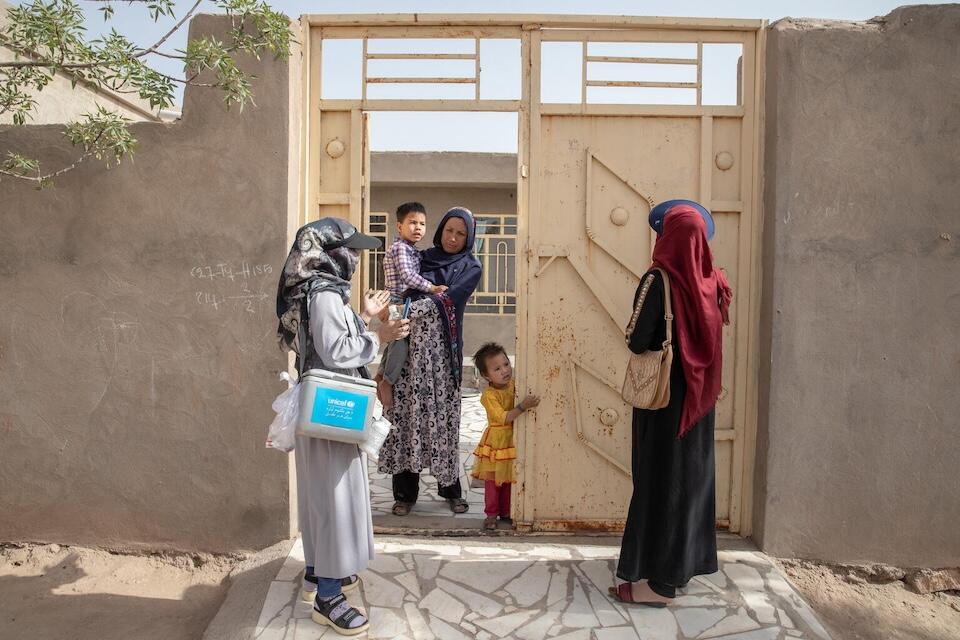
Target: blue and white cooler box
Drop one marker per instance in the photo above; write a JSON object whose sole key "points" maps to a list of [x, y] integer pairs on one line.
{"points": [[336, 407]]}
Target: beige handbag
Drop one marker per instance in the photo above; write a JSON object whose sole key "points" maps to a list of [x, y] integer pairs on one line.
{"points": [[647, 383]]}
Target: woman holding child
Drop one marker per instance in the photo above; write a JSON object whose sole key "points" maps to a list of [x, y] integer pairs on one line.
{"points": [[426, 396], [670, 532]]}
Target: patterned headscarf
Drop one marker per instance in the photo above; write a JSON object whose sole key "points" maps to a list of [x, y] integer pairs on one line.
{"points": [[316, 263]]}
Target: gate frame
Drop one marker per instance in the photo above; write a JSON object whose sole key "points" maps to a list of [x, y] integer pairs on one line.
{"points": [[528, 29]]}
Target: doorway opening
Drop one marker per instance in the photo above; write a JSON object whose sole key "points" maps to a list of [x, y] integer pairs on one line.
{"points": [[610, 115], [442, 160]]}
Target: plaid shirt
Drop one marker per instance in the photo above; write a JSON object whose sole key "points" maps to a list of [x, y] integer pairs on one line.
{"points": [[401, 269]]}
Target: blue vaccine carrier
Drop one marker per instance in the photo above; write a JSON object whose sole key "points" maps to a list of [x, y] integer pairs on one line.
{"points": [[334, 406]]}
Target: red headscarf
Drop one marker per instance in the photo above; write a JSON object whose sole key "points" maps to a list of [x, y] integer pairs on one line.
{"points": [[701, 299]]}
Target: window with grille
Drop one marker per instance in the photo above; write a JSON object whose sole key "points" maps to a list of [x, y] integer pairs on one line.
{"points": [[496, 248], [377, 227]]}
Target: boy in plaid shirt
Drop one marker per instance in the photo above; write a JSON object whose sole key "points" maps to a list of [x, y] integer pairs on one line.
{"points": [[401, 270]]}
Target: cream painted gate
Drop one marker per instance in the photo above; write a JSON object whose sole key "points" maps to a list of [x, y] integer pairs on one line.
{"points": [[642, 124]]}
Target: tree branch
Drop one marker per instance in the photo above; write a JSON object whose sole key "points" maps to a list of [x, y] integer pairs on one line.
{"points": [[56, 174], [50, 176], [153, 50], [171, 32], [69, 66], [164, 54], [54, 35], [185, 81]]}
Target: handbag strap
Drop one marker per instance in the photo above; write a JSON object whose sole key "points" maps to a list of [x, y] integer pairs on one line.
{"points": [[644, 290], [668, 307]]}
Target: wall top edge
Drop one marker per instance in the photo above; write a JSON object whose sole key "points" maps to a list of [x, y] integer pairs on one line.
{"points": [[537, 20]]}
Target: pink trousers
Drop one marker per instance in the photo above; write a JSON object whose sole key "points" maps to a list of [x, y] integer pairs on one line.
{"points": [[496, 499]]}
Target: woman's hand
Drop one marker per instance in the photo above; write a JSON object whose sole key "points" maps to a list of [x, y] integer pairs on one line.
{"points": [[374, 302], [393, 330]]}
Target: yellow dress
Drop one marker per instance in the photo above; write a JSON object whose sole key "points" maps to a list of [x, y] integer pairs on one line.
{"points": [[495, 453]]}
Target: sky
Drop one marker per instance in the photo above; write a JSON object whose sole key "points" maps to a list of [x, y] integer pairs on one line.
{"points": [[497, 132]]}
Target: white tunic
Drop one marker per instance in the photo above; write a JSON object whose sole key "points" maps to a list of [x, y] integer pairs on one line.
{"points": [[333, 492]]}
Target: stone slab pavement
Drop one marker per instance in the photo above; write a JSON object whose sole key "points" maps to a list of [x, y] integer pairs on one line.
{"points": [[430, 505], [535, 588]]}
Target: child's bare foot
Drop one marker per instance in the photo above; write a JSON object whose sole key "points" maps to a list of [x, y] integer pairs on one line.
{"points": [[490, 523]]}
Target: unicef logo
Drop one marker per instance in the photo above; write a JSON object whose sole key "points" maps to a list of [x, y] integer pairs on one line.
{"points": [[344, 403]]}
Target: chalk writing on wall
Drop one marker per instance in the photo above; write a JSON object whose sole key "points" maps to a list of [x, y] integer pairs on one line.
{"points": [[228, 285], [227, 271]]}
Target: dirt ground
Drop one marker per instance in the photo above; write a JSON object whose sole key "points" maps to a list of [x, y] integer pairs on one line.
{"points": [[49, 592], [854, 608]]}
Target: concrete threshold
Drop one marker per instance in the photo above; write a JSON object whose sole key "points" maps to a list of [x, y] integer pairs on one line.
{"points": [[539, 587]]}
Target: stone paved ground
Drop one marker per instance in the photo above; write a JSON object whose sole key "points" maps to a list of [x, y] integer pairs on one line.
{"points": [[528, 588], [531, 589], [472, 424]]}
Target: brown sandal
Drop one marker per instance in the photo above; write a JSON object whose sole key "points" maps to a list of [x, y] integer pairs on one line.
{"points": [[401, 508], [624, 593], [490, 523], [458, 505]]}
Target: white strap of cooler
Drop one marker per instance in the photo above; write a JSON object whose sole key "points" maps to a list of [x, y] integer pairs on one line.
{"points": [[302, 342]]}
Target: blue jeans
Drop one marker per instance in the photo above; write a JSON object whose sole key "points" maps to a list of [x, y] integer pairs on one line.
{"points": [[326, 587]]}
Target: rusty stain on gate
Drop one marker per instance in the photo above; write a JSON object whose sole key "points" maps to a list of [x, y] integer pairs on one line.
{"points": [[631, 118]]}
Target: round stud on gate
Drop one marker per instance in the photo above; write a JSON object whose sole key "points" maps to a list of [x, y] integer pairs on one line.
{"points": [[335, 148], [619, 216], [724, 160], [609, 417]]}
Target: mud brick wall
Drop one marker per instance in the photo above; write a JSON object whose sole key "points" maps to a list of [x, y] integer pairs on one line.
{"points": [[860, 378], [137, 351]]}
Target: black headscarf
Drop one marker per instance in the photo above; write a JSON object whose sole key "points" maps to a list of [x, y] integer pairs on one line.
{"points": [[310, 268], [460, 272]]}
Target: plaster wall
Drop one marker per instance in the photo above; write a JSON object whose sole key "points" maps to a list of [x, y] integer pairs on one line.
{"points": [[440, 168], [858, 438], [138, 357]]}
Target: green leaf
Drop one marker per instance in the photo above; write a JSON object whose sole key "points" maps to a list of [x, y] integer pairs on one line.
{"points": [[53, 32], [19, 164]]}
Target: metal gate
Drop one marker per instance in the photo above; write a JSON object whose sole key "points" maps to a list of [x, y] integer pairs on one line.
{"points": [[616, 114]]}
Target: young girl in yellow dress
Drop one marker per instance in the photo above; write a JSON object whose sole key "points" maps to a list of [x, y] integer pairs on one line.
{"points": [[496, 452]]}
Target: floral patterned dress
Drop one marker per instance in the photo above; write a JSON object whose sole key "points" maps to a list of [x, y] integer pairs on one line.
{"points": [[426, 411]]}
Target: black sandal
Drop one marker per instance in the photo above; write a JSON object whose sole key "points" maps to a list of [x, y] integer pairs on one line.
{"points": [[323, 610], [401, 508], [346, 584], [458, 505], [350, 583]]}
